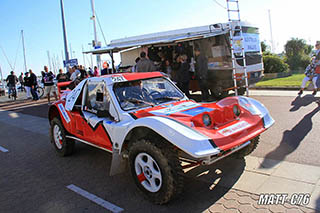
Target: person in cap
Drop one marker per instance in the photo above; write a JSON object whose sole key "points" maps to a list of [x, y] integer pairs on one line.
{"points": [[311, 73]]}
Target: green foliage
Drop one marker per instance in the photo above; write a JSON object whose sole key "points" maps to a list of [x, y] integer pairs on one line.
{"points": [[297, 53], [263, 46], [274, 64]]}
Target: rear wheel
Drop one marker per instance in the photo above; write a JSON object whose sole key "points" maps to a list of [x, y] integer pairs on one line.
{"points": [[63, 145], [156, 171], [248, 149]]}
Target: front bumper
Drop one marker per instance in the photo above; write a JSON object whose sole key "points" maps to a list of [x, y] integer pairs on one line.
{"points": [[214, 158]]}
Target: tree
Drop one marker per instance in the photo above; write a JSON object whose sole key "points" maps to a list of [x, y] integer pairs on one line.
{"points": [[263, 46], [274, 64], [297, 53]]}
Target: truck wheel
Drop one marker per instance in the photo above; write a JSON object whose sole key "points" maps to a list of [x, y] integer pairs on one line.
{"points": [[63, 145], [156, 171], [248, 149]]}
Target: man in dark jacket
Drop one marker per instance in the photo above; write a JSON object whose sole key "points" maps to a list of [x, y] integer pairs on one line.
{"points": [[11, 80], [34, 84], [144, 64], [49, 86], [183, 75], [202, 74]]}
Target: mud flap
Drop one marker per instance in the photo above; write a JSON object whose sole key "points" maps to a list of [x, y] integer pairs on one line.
{"points": [[118, 163]]}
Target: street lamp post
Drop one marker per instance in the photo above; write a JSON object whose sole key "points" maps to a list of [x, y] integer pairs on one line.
{"points": [[64, 34], [95, 33]]}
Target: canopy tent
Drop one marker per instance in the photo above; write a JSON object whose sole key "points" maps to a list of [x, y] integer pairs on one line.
{"points": [[167, 37]]}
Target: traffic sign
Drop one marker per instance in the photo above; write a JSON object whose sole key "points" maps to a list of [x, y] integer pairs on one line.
{"points": [[70, 63]]}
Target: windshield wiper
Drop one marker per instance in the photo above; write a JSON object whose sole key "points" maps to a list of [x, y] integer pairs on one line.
{"points": [[135, 100], [168, 98]]}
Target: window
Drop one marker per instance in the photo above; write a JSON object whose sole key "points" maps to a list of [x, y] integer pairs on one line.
{"points": [[97, 97]]}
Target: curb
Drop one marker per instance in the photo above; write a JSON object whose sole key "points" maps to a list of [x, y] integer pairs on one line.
{"points": [[294, 88]]}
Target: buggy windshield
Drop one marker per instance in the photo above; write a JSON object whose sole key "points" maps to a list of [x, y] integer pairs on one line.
{"points": [[145, 92]]}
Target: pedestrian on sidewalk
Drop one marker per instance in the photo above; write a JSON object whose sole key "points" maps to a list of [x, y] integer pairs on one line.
{"points": [[48, 82], [310, 75], [27, 85], [145, 64], [11, 80], [34, 84], [21, 80]]}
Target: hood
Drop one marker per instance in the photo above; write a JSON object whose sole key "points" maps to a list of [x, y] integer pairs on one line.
{"points": [[190, 113]]}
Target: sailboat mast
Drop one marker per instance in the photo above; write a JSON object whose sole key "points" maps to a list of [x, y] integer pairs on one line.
{"points": [[24, 52]]}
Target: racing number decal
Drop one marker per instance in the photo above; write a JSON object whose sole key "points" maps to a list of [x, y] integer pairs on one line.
{"points": [[64, 113], [118, 78]]}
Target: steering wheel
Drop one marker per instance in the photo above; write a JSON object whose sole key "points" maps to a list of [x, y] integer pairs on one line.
{"points": [[155, 93]]}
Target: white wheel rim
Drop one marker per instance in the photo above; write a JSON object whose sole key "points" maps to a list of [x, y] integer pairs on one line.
{"points": [[148, 172], [57, 136]]}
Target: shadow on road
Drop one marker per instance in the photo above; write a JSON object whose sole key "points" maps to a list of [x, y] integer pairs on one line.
{"points": [[299, 102], [291, 139]]}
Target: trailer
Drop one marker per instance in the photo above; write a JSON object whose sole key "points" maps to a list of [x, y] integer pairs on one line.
{"points": [[214, 42]]}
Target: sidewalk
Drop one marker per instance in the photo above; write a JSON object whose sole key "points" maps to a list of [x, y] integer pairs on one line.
{"points": [[243, 180]]}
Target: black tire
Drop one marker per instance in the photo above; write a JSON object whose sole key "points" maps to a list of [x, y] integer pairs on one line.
{"points": [[248, 149], [218, 93], [166, 166], [63, 145]]}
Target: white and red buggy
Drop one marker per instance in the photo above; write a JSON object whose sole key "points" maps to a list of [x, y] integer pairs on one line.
{"points": [[146, 122]]}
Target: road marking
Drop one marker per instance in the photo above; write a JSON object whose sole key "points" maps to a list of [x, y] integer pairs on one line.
{"points": [[3, 149], [95, 199]]}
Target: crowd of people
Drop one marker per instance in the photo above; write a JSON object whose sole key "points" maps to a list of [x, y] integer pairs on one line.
{"points": [[178, 70]]}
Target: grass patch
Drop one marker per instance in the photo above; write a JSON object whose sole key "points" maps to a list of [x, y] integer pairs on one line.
{"points": [[294, 80]]}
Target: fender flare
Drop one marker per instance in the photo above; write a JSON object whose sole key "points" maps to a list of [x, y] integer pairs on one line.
{"points": [[182, 136]]}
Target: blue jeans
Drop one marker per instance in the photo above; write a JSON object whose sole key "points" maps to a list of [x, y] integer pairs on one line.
{"points": [[34, 93], [11, 88]]}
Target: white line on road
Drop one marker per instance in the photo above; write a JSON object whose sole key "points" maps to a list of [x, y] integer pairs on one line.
{"points": [[3, 149], [95, 199]]}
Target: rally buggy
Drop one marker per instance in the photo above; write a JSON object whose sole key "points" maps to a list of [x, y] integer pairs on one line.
{"points": [[147, 123]]}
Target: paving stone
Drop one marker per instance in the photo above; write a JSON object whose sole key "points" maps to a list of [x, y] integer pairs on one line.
{"points": [[261, 165], [245, 200], [277, 208], [246, 208], [231, 204], [292, 171], [217, 208], [230, 196]]}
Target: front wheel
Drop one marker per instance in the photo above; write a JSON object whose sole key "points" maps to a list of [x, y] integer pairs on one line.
{"points": [[156, 171], [248, 149], [63, 145]]}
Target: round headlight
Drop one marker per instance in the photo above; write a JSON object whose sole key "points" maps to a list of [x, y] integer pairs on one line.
{"points": [[236, 110], [206, 120]]}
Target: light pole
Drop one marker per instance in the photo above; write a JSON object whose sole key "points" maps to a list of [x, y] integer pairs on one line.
{"points": [[64, 35], [95, 33], [24, 52]]}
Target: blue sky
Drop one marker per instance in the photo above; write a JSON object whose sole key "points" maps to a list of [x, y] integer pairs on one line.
{"points": [[41, 22]]}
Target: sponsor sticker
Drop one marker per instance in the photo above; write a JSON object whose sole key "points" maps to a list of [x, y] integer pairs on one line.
{"points": [[118, 78], [197, 111], [234, 128], [174, 109], [64, 113]]}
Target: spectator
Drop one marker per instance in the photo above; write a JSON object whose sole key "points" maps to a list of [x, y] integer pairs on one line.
{"points": [[34, 84], [168, 68], [144, 64], [83, 72], [21, 80], [134, 68], [202, 73], [96, 71], [62, 77], [310, 75], [27, 84], [105, 70], [11, 80], [48, 82], [90, 72], [183, 75]]}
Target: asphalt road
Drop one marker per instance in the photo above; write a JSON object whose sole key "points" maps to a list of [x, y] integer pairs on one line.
{"points": [[34, 178]]}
